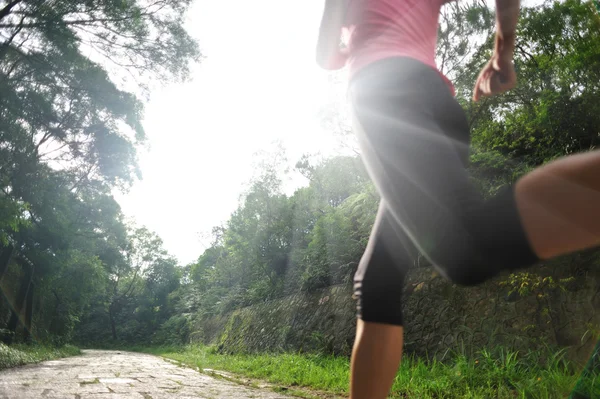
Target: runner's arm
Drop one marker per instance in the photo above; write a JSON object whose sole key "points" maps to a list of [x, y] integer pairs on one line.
{"points": [[507, 15], [329, 54]]}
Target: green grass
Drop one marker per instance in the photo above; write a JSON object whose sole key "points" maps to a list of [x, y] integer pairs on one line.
{"points": [[500, 374], [18, 355]]}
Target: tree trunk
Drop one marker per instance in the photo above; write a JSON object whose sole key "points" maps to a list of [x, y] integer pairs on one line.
{"points": [[112, 323], [17, 309], [5, 259], [54, 320], [29, 313]]}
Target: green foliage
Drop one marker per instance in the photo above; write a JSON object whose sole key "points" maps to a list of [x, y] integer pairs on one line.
{"points": [[18, 355], [276, 245], [330, 253], [525, 283], [553, 110], [175, 331], [135, 299]]}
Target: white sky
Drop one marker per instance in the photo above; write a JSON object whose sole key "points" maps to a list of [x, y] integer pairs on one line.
{"points": [[258, 83]]}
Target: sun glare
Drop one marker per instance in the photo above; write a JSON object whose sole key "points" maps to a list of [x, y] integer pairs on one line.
{"points": [[258, 84]]}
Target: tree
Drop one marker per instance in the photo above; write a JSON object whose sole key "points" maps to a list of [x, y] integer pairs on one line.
{"points": [[59, 106], [69, 134], [67, 240], [143, 252]]}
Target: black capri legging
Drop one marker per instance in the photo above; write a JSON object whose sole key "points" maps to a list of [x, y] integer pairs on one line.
{"points": [[414, 140]]}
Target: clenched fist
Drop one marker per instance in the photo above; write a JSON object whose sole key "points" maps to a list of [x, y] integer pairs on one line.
{"points": [[497, 76]]}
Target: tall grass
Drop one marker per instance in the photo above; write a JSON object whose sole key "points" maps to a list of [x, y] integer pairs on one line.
{"points": [[18, 355], [489, 374]]}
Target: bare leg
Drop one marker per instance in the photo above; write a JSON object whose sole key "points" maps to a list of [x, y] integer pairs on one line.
{"points": [[375, 358], [559, 204]]}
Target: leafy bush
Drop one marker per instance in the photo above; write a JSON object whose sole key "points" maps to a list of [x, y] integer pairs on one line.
{"points": [[175, 331]]}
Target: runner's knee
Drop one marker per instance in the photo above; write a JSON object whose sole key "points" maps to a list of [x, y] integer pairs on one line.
{"points": [[494, 241]]}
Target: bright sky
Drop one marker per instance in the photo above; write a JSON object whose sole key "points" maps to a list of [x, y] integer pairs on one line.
{"points": [[258, 83]]}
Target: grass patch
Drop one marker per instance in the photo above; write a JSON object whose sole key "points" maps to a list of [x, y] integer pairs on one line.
{"points": [[498, 374], [18, 355]]}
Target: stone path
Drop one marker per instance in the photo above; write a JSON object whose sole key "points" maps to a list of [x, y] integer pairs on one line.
{"points": [[118, 375]]}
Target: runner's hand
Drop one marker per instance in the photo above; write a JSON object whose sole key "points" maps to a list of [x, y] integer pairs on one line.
{"points": [[498, 76]]}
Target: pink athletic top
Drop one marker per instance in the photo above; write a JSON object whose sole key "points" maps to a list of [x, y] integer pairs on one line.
{"points": [[379, 29]]}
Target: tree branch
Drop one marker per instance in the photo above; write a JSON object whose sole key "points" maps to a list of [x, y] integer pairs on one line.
{"points": [[524, 52], [74, 22], [6, 10], [42, 141]]}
